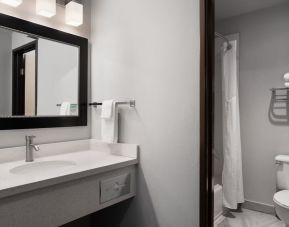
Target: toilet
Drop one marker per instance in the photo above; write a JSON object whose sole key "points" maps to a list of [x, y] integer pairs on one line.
{"points": [[281, 198]]}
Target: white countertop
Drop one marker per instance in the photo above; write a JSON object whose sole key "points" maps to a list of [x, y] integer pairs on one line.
{"points": [[90, 157]]}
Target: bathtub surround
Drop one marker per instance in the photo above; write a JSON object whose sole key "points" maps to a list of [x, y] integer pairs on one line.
{"points": [[218, 204], [149, 51], [263, 62]]}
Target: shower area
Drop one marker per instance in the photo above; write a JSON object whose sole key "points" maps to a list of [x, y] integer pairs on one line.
{"points": [[227, 150], [251, 112]]}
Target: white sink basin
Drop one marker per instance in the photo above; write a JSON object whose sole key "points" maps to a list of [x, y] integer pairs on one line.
{"points": [[42, 166]]}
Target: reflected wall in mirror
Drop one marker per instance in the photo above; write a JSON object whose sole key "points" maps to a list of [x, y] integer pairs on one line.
{"points": [[38, 77]]}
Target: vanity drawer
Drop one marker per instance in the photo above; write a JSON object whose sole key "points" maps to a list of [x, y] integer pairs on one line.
{"points": [[115, 187]]}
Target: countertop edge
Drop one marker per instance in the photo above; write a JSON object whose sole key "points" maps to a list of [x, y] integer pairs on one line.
{"points": [[63, 179]]}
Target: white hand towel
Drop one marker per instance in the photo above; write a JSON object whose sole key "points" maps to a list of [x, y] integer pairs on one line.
{"points": [[109, 125], [107, 109], [286, 84], [65, 109]]}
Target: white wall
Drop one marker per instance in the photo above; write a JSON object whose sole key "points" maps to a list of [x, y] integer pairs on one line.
{"points": [[58, 72], [264, 54], [149, 51], [27, 11], [19, 39]]}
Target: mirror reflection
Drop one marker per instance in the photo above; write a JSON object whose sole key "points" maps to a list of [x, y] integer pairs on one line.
{"points": [[38, 77]]}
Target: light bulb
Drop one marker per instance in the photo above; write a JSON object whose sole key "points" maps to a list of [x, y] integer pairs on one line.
{"points": [[46, 8], [74, 14]]}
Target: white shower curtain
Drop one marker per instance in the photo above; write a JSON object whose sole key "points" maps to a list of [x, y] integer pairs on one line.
{"points": [[232, 176]]}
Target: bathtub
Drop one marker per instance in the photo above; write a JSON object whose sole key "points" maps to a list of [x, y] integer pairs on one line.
{"points": [[218, 205]]}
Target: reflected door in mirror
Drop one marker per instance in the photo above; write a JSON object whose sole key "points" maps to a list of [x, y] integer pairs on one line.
{"points": [[24, 81]]}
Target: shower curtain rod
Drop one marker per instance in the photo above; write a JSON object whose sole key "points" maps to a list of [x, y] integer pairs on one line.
{"points": [[224, 38]]}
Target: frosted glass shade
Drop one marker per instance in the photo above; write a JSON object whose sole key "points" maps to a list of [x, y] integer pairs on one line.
{"points": [[74, 14], [13, 3], [46, 8]]}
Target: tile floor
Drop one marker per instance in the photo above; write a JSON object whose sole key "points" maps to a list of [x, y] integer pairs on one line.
{"points": [[248, 218]]}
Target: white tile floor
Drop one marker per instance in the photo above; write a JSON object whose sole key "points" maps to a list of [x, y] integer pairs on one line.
{"points": [[248, 218]]}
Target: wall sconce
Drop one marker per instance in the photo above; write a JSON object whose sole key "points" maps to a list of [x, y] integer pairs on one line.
{"points": [[46, 8], [13, 3], [74, 14]]}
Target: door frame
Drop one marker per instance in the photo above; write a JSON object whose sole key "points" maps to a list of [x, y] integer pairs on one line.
{"points": [[18, 86], [207, 30]]}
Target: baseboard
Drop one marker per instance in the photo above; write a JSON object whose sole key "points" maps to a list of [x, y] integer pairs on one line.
{"points": [[261, 207]]}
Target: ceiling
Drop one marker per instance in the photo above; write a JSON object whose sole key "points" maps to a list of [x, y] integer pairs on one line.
{"points": [[229, 8]]}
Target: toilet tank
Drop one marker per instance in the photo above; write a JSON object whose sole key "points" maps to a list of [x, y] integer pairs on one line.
{"points": [[282, 167]]}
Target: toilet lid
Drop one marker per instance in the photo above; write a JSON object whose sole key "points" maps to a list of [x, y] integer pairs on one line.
{"points": [[282, 198]]}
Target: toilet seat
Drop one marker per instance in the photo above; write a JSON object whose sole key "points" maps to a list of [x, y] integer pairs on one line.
{"points": [[282, 198]]}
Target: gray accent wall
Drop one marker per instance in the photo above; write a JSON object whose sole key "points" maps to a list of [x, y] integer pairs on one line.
{"points": [[264, 58], [149, 51]]}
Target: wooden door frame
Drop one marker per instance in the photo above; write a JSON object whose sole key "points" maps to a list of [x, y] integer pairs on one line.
{"points": [[207, 31], [18, 106]]}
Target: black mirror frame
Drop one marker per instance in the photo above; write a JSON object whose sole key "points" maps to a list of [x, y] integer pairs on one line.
{"points": [[53, 34]]}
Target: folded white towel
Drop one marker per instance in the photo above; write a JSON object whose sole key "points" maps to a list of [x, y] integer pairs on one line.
{"points": [[109, 125], [286, 84], [107, 109], [64, 109]]}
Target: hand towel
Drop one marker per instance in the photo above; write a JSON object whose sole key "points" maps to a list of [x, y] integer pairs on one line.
{"points": [[107, 109], [109, 125], [65, 109]]}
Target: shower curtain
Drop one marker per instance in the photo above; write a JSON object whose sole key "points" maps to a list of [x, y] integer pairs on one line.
{"points": [[232, 177]]}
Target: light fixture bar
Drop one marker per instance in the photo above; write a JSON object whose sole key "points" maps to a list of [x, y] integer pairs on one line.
{"points": [[13, 3]]}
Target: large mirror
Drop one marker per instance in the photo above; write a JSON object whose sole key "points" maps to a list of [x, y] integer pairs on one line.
{"points": [[43, 76], [39, 77]]}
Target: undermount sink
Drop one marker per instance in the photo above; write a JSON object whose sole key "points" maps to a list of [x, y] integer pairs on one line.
{"points": [[42, 166]]}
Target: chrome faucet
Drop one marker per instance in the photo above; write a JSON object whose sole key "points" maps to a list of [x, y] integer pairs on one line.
{"points": [[30, 147]]}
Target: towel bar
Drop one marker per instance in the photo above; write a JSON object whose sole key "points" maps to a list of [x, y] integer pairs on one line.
{"points": [[280, 94], [131, 103]]}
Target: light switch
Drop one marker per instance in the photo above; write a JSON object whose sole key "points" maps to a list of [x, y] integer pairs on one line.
{"points": [[114, 187]]}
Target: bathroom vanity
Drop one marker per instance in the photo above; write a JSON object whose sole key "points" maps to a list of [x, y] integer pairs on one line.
{"points": [[66, 181], [44, 85]]}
